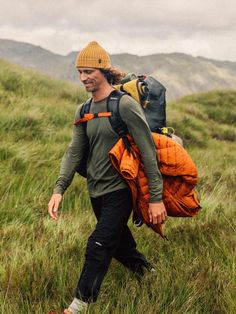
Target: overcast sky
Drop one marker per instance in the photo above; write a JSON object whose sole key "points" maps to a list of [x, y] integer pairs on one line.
{"points": [[197, 27]]}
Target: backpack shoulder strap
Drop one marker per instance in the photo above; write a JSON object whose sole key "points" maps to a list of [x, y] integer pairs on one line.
{"points": [[116, 122], [115, 119], [82, 167], [85, 107], [83, 111]]}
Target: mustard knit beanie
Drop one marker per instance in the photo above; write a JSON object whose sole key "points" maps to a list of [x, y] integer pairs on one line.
{"points": [[93, 56]]}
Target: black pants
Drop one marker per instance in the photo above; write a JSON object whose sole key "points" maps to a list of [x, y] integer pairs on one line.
{"points": [[111, 238]]}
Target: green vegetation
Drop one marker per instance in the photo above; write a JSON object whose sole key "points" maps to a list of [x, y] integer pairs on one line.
{"points": [[41, 259]]}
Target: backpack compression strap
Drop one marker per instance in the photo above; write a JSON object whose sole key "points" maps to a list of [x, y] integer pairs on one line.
{"points": [[90, 116], [86, 116]]}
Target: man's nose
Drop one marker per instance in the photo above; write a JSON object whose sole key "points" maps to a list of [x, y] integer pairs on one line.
{"points": [[83, 76]]}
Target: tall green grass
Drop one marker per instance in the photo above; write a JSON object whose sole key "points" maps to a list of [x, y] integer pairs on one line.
{"points": [[42, 259]]}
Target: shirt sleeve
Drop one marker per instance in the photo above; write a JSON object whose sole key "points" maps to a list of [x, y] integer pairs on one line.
{"points": [[133, 115], [72, 156]]}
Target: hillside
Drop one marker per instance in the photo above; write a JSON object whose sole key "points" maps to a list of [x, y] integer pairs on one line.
{"points": [[41, 259], [182, 74]]}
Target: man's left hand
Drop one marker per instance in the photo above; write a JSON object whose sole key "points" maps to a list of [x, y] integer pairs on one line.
{"points": [[157, 213]]}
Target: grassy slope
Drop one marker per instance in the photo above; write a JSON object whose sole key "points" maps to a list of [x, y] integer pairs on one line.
{"points": [[41, 259]]}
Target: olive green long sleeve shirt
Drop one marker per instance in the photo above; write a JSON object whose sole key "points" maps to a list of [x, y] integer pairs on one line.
{"points": [[101, 176]]}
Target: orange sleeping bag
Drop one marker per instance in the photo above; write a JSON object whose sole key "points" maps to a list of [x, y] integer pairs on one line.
{"points": [[179, 178]]}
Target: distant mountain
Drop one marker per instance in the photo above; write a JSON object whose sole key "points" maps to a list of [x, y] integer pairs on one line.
{"points": [[34, 57], [182, 74]]}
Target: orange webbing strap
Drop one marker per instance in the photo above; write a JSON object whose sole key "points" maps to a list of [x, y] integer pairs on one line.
{"points": [[90, 116]]}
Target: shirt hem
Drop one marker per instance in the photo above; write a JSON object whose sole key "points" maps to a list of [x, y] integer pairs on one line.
{"points": [[95, 195]]}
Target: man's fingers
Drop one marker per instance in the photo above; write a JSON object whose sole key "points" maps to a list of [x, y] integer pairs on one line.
{"points": [[164, 216], [154, 219], [53, 208], [150, 215], [53, 205], [157, 213]]}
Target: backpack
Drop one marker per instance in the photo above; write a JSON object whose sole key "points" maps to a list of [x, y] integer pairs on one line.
{"points": [[149, 92]]}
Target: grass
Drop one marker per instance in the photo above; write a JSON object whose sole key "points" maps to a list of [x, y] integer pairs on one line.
{"points": [[41, 259]]}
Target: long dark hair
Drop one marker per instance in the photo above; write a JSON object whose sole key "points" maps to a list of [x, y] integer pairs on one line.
{"points": [[113, 75]]}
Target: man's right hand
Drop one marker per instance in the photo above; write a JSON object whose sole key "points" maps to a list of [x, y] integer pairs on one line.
{"points": [[53, 205]]}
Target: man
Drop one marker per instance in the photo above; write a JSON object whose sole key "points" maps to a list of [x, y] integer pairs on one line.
{"points": [[110, 197]]}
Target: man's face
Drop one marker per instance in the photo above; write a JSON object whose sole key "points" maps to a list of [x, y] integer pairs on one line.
{"points": [[91, 78]]}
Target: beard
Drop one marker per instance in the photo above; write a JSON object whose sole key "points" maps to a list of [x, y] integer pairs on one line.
{"points": [[90, 87]]}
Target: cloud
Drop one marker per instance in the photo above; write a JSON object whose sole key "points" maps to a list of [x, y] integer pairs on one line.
{"points": [[139, 27]]}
